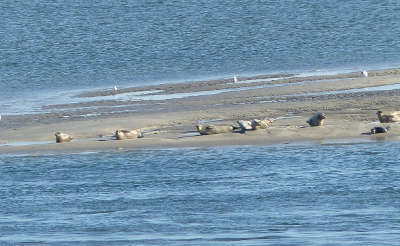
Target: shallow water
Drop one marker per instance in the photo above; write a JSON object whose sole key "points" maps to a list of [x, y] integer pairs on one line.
{"points": [[48, 104], [26, 143], [248, 195], [42, 105], [334, 92], [364, 89]]}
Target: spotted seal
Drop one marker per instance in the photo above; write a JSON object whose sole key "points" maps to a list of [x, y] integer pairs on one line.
{"points": [[262, 124]]}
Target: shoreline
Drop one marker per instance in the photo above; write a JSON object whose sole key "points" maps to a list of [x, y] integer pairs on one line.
{"points": [[168, 120], [84, 146], [68, 151], [103, 96]]}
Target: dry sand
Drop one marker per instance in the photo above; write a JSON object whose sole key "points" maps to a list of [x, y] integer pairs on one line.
{"points": [[171, 122]]}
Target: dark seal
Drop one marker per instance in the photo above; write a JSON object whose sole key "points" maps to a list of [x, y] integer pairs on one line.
{"points": [[379, 129]]}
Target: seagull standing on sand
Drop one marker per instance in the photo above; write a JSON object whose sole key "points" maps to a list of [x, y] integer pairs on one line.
{"points": [[364, 73], [235, 79]]}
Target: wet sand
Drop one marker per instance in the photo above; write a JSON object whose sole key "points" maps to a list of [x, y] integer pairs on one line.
{"points": [[168, 113]]}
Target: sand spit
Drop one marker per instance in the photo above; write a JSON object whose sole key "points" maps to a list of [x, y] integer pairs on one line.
{"points": [[169, 121]]}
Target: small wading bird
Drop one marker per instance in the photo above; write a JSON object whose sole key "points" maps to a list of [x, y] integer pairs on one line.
{"points": [[235, 79], [115, 89], [364, 73]]}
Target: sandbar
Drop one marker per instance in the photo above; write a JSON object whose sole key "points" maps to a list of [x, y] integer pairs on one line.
{"points": [[168, 113]]}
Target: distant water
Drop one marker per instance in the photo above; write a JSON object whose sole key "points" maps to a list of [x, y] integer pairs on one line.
{"points": [[62, 45], [245, 195]]}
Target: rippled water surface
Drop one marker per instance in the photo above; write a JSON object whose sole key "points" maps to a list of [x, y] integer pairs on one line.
{"points": [[280, 195], [63, 45], [247, 195]]}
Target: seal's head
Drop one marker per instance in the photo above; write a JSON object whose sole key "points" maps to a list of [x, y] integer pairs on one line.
{"points": [[120, 134], [200, 127], [62, 137]]}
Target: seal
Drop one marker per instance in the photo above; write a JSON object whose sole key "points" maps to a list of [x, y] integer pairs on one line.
{"points": [[262, 124], [245, 125], [62, 137], [213, 129], [317, 119], [379, 129], [388, 117], [126, 134]]}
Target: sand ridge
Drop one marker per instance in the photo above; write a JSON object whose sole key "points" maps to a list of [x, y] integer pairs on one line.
{"points": [[171, 122]]}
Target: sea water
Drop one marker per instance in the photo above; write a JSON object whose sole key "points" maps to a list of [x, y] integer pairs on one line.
{"points": [[280, 195], [246, 195], [48, 47]]}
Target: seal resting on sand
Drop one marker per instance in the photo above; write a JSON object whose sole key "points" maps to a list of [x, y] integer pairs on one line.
{"points": [[388, 117], [213, 129], [261, 124], [245, 125], [317, 119], [379, 129], [126, 134], [62, 137]]}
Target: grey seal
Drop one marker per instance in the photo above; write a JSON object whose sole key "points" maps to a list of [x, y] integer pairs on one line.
{"points": [[379, 129], [317, 119], [388, 117]]}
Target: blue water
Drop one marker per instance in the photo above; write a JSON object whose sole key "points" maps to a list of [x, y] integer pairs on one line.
{"points": [[247, 195], [280, 195], [51, 45]]}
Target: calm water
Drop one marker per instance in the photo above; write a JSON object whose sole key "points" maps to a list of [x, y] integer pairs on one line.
{"points": [[279, 195], [63, 45], [282, 195]]}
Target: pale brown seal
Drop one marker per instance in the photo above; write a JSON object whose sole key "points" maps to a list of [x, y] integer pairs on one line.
{"points": [[62, 137], [388, 117], [262, 124], [213, 129], [126, 134], [317, 119]]}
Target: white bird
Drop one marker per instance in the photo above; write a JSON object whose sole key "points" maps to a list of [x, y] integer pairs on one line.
{"points": [[235, 79], [0, 116], [115, 89], [364, 73]]}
